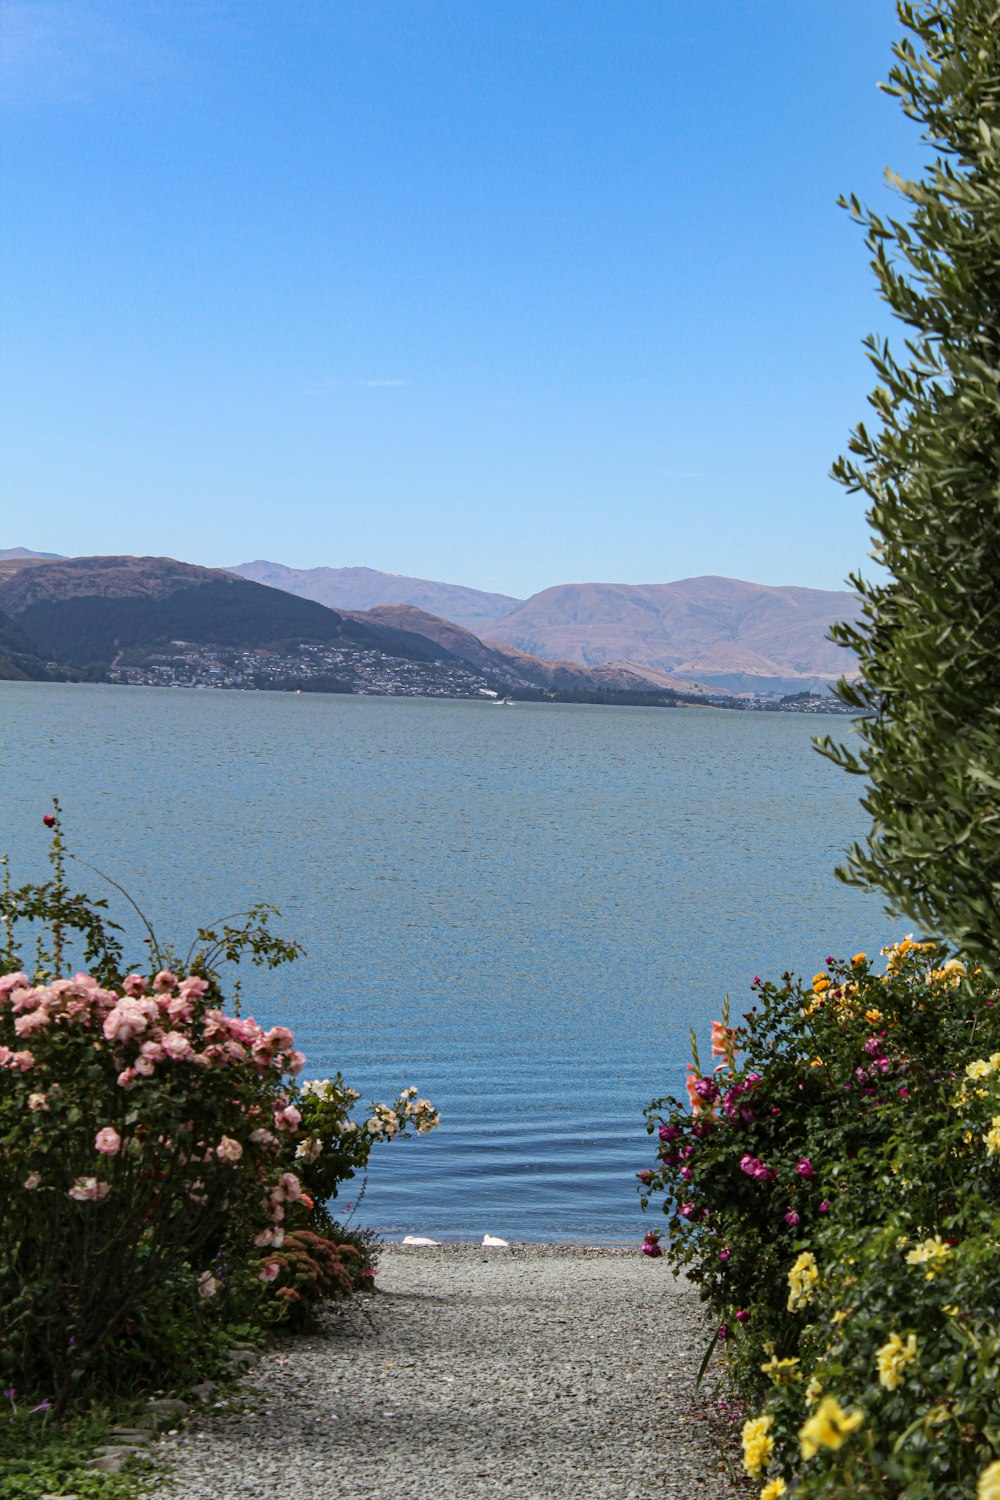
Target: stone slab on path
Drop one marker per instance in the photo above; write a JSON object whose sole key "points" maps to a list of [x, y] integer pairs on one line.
{"points": [[536, 1372]]}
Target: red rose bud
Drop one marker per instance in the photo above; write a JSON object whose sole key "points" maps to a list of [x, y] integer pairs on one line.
{"points": [[742, 1316], [49, 820]]}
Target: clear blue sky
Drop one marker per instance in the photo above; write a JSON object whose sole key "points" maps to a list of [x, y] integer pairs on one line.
{"points": [[501, 292]]}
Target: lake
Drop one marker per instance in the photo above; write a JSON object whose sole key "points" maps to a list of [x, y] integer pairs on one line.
{"points": [[520, 909]]}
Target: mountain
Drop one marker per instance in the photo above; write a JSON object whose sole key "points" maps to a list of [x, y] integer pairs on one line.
{"points": [[518, 668], [88, 611], [723, 631], [364, 588], [8, 554]]}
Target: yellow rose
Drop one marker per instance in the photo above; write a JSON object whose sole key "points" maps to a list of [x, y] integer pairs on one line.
{"points": [[893, 1358], [802, 1279], [781, 1371], [821, 982], [772, 1490], [932, 1253], [988, 1487], [758, 1445], [828, 1427]]}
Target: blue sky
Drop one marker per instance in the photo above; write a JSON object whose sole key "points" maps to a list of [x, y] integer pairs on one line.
{"points": [[508, 294]]}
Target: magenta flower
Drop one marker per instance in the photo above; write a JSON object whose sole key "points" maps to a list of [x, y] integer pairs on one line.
{"points": [[742, 1316], [645, 1177], [687, 1210], [669, 1133], [804, 1167], [824, 1207], [724, 1255], [723, 1332], [793, 1219], [651, 1245]]}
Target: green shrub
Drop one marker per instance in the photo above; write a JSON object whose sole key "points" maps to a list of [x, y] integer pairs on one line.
{"points": [[833, 1183], [152, 1157]]}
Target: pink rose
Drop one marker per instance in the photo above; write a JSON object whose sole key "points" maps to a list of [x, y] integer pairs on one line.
{"points": [[229, 1150], [108, 1141], [165, 980], [89, 1190], [292, 1187], [269, 1270], [32, 1020], [804, 1167], [135, 985], [23, 1060], [288, 1118], [207, 1285], [176, 1046], [128, 1078], [32, 1180], [193, 988]]}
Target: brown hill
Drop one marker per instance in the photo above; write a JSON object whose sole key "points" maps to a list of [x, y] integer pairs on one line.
{"points": [[518, 667], [709, 627], [365, 588]]}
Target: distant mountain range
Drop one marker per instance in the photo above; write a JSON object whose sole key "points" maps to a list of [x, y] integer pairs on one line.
{"points": [[95, 615], [364, 588], [693, 636], [723, 633]]}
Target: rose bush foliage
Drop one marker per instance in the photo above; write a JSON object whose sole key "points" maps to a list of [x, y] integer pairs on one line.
{"points": [[157, 1155], [832, 1183]]}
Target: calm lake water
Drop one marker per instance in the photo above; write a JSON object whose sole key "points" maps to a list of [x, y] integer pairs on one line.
{"points": [[520, 910]]}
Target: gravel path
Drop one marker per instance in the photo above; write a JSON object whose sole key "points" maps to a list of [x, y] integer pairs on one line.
{"points": [[541, 1372]]}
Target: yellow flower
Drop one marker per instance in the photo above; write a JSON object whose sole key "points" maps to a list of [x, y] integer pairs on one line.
{"points": [[772, 1490], [981, 1068], [828, 1427], [817, 1062], [758, 1445], [988, 1487], [893, 1358], [858, 958], [781, 1371], [952, 972], [992, 1137], [821, 982], [802, 1279], [932, 1253], [814, 1390], [840, 1316], [873, 1016]]}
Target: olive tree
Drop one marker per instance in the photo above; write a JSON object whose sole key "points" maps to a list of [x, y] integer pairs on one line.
{"points": [[928, 637]]}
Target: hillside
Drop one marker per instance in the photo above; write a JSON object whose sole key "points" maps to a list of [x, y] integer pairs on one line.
{"points": [[518, 668], [723, 631], [365, 588], [88, 611], [23, 659]]}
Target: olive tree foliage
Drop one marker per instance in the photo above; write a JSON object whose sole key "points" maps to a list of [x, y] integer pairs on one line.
{"points": [[928, 636]]}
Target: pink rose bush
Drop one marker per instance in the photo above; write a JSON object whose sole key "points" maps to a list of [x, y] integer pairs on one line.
{"points": [[158, 1154], [832, 1184]]}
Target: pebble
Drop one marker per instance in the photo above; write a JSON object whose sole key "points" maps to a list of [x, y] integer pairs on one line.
{"points": [[546, 1373]]}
